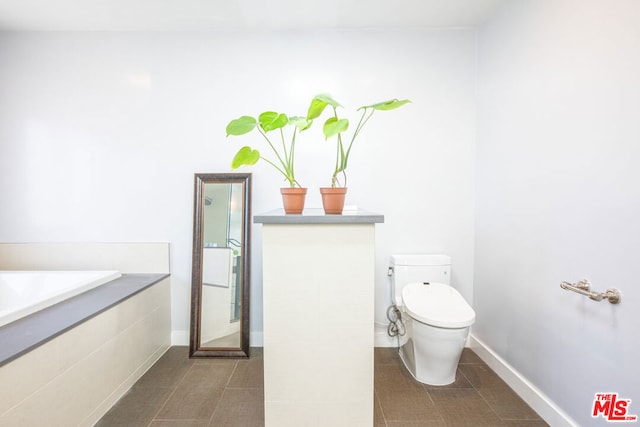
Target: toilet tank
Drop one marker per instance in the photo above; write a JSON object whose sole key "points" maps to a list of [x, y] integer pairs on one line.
{"points": [[407, 269]]}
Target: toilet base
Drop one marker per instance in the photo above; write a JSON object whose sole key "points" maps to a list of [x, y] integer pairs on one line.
{"points": [[432, 354], [409, 363]]}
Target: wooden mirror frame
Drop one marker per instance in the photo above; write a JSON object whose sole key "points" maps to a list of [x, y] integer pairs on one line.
{"points": [[195, 348]]}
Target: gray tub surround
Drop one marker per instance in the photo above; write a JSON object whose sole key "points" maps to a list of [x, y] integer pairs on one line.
{"points": [[25, 334], [85, 353], [318, 293]]}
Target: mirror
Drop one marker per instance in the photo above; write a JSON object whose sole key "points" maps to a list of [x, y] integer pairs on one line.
{"points": [[221, 265]]}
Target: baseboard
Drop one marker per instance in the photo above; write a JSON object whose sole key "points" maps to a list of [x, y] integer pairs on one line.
{"points": [[540, 403]]}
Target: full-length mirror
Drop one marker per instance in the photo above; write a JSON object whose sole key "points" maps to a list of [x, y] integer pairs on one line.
{"points": [[220, 275]]}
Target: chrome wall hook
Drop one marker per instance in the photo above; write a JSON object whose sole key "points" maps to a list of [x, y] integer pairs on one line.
{"points": [[583, 287]]}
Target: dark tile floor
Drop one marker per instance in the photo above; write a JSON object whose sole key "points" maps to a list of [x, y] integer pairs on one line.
{"points": [[178, 391]]}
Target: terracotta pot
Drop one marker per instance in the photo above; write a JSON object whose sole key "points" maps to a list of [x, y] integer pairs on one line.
{"points": [[293, 199], [333, 199]]}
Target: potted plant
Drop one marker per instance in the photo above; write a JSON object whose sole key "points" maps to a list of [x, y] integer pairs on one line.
{"points": [[333, 197], [283, 151]]}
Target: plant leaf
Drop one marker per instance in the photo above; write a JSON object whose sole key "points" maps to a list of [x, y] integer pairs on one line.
{"points": [[241, 125], [315, 109], [328, 99], [246, 156], [318, 104], [300, 122], [391, 104], [334, 126], [270, 120]]}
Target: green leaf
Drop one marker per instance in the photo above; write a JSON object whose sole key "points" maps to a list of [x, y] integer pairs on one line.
{"points": [[319, 103], [315, 109], [241, 125], [300, 122], [271, 120], [392, 104], [246, 156], [328, 99], [334, 126]]}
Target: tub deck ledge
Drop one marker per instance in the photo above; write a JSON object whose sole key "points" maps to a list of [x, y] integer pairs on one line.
{"points": [[23, 335]]}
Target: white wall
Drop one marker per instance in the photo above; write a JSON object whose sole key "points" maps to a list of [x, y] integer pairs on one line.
{"points": [[558, 196], [101, 133]]}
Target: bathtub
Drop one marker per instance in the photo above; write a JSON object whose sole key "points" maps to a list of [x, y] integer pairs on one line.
{"points": [[25, 292]]}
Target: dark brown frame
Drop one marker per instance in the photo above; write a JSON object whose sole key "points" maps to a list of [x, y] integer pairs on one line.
{"points": [[195, 350]]}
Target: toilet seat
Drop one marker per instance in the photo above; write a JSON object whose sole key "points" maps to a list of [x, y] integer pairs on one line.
{"points": [[438, 305]]}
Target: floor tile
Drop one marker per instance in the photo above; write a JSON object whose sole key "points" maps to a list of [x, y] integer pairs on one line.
{"points": [[378, 417], [136, 408], [460, 382], [179, 423], [500, 397], [190, 403], [169, 370], [507, 404], [468, 356], [209, 374], [240, 407], [394, 377], [426, 423], [464, 407], [525, 423], [413, 405], [182, 392], [386, 355], [249, 373], [481, 376], [128, 415]]}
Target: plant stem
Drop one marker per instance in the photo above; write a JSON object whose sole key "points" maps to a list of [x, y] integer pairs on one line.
{"points": [[290, 179], [282, 163], [284, 149], [339, 155], [363, 121], [292, 156]]}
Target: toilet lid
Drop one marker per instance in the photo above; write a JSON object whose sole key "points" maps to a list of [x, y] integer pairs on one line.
{"points": [[437, 304]]}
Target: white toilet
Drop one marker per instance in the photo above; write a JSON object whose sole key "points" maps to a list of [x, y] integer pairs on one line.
{"points": [[436, 318]]}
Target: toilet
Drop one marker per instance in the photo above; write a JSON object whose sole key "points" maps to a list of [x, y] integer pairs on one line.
{"points": [[435, 317]]}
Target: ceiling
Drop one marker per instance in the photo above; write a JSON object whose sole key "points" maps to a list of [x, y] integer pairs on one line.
{"points": [[179, 15]]}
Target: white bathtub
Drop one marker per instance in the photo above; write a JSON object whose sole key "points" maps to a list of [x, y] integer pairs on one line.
{"points": [[25, 292]]}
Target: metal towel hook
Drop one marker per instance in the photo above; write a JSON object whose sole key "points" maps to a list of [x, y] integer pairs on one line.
{"points": [[583, 287]]}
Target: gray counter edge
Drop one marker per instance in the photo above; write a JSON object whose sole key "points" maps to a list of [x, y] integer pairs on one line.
{"points": [[317, 216]]}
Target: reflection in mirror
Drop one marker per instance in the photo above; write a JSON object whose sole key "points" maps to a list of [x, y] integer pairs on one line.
{"points": [[220, 278]]}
